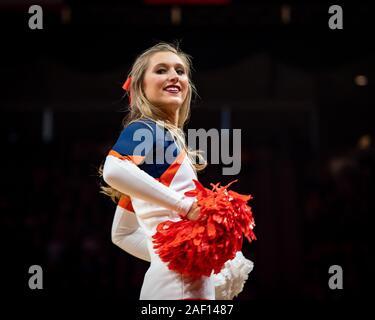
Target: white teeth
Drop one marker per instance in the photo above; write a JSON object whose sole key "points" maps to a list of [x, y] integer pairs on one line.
{"points": [[172, 89]]}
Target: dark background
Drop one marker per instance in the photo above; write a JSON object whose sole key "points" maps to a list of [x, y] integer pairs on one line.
{"points": [[307, 138]]}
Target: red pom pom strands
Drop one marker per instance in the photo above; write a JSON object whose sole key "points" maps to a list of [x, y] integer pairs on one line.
{"points": [[196, 248]]}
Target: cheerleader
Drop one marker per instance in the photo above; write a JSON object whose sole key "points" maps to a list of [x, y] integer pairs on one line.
{"points": [[150, 167]]}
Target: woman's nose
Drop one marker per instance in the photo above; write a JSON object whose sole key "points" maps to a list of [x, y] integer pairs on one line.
{"points": [[173, 75]]}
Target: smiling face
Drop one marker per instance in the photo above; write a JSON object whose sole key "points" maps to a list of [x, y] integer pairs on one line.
{"points": [[166, 82]]}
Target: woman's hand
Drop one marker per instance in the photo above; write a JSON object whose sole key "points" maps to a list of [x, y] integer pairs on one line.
{"points": [[194, 212]]}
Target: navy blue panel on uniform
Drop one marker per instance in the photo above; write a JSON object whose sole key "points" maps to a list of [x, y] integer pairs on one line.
{"points": [[155, 143], [137, 139]]}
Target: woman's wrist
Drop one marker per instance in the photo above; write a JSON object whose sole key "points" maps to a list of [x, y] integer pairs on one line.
{"points": [[186, 204]]}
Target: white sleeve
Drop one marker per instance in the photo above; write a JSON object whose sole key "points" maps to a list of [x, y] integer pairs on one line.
{"points": [[128, 178], [127, 234]]}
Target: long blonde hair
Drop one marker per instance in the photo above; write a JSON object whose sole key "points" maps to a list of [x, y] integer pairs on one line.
{"points": [[141, 108]]}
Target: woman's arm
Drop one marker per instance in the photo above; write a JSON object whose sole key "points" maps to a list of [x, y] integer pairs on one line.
{"points": [[127, 234], [128, 178]]}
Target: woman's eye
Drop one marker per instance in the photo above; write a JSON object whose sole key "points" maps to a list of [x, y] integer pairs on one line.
{"points": [[179, 71]]}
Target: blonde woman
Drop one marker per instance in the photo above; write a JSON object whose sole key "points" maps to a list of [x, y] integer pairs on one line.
{"points": [[150, 167]]}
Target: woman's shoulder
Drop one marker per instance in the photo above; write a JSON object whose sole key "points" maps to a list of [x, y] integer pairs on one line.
{"points": [[146, 126], [141, 124], [134, 133]]}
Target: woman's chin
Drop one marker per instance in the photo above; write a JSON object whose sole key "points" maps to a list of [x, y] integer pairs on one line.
{"points": [[172, 104]]}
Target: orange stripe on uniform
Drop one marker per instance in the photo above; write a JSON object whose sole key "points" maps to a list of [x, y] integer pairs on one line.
{"points": [[135, 159], [126, 203], [167, 177]]}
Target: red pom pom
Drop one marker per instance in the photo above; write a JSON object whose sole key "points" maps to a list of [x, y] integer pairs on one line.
{"points": [[196, 248]]}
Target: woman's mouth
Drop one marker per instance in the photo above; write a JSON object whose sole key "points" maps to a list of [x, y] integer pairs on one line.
{"points": [[172, 89]]}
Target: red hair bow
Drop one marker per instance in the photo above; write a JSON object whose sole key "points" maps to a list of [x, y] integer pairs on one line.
{"points": [[126, 87]]}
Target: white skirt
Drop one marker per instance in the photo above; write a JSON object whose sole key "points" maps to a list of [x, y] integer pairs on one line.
{"points": [[160, 283]]}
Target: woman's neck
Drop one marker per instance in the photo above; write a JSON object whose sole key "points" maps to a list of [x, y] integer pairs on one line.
{"points": [[175, 120]]}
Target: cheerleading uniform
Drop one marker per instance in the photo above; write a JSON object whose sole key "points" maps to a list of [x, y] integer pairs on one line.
{"points": [[127, 234], [146, 165]]}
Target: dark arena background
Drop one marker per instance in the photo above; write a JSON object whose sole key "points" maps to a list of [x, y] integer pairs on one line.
{"points": [[301, 93]]}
